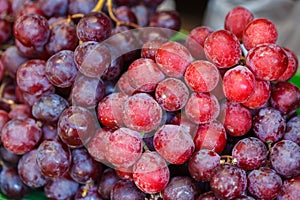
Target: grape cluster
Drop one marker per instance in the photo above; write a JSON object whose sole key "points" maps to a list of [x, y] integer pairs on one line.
{"points": [[100, 100]]}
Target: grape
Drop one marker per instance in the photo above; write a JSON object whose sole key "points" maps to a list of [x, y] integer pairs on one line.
{"points": [[30, 99], [195, 41], [142, 14], [8, 156], [174, 143], [267, 61], [61, 69], [292, 131], [88, 193], [236, 119], [49, 107], [29, 171], [11, 185], [228, 181], [83, 168], [149, 48], [31, 52], [20, 111], [125, 14], [125, 173], [124, 148], [260, 96], [87, 91], [5, 30], [207, 196], [110, 110], [92, 58], [172, 94], [76, 126], [126, 190], [61, 188], [11, 60], [202, 108], [49, 131], [181, 188], [81, 6], [244, 197], [151, 173], [62, 37], [181, 120], [290, 189], [30, 8], [136, 75], [124, 86], [21, 136], [259, 31], [285, 158], [292, 66], [203, 163], [285, 97], [94, 26], [269, 124], [166, 19], [54, 7], [238, 84], [223, 49], [53, 158], [211, 136], [264, 183], [32, 30], [4, 118], [173, 59], [142, 113], [97, 146], [5, 7], [31, 77], [116, 66], [201, 76], [250, 153], [107, 181], [236, 21]]}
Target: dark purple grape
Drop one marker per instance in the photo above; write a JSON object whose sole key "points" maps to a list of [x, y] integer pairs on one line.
{"points": [[83, 168], [203, 163], [76, 126], [11, 60], [32, 30], [285, 158], [124, 14], [49, 131], [126, 190], [49, 107], [9, 156], [61, 188], [81, 6], [243, 197], [250, 153], [94, 26], [228, 181], [264, 183], [142, 14], [292, 131], [269, 124], [86, 192], [21, 136], [181, 188], [29, 171], [54, 7], [53, 158], [4, 118], [5, 30], [11, 185], [290, 189], [20, 111], [166, 19], [108, 179], [61, 69], [31, 51], [30, 8], [62, 37], [87, 91], [207, 196]]}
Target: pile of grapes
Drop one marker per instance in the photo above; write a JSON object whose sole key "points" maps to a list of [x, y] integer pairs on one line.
{"points": [[104, 100]]}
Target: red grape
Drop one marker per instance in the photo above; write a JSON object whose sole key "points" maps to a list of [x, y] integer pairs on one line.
{"points": [[203, 163], [237, 19], [207, 196], [259, 31], [292, 66], [173, 59], [292, 131], [238, 84], [149, 48], [267, 61], [174, 143], [172, 94], [125, 14], [223, 49], [5, 30], [124, 86], [250, 153], [290, 189], [168, 19]]}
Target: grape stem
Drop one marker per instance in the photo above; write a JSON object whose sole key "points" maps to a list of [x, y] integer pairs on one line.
{"points": [[7, 101], [227, 159], [98, 6], [109, 5]]}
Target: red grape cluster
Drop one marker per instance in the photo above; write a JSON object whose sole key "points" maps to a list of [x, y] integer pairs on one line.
{"points": [[93, 106]]}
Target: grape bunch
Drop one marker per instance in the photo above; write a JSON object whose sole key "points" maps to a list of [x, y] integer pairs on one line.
{"points": [[107, 100]]}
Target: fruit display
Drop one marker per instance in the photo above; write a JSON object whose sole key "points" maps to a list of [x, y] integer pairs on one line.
{"points": [[109, 100]]}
